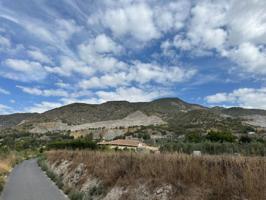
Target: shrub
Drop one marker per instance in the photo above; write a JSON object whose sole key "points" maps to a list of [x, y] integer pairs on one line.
{"points": [[73, 144], [245, 139], [193, 137], [74, 195], [220, 136]]}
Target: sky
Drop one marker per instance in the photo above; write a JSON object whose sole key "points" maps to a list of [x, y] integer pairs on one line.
{"points": [[54, 53]]}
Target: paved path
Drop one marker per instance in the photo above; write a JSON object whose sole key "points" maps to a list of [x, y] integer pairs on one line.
{"points": [[28, 182]]}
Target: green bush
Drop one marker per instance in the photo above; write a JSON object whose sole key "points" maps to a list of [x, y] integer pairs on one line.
{"points": [[245, 139], [74, 195], [73, 144], [193, 137], [214, 136], [144, 136]]}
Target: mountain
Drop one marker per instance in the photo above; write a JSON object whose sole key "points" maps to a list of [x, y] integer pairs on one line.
{"points": [[7, 121], [79, 113], [179, 116]]}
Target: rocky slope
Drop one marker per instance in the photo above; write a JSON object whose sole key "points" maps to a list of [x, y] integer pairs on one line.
{"points": [[137, 118], [179, 116], [7, 121]]}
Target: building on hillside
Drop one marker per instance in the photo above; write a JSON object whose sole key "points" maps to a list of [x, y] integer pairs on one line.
{"points": [[129, 144]]}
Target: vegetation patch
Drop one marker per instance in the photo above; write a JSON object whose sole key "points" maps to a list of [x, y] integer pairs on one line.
{"points": [[181, 176]]}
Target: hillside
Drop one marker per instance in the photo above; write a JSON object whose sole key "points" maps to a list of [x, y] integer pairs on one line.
{"points": [[7, 121], [79, 113], [180, 117]]}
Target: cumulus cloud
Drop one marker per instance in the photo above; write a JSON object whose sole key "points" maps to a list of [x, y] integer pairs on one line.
{"points": [[43, 106], [66, 28], [140, 73], [4, 42], [246, 22], [37, 55], [96, 53], [132, 94], [105, 81], [244, 97], [5, 109], [135, 20], [142, 21], [62, 93], [69, 66], [250, 57], [44, 92], [4, 91], [104, 44], [23, 70], [165, 75], [232, 29], [111, 47]]}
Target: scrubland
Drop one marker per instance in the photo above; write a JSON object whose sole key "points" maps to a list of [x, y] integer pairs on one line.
{"points": [[143, 176]]}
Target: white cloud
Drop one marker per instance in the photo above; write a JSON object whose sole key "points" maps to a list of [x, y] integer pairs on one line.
{"points": [[66, 28], [5, 109], [171, 15], [244, 97], [140, 73], [233, 29], [146, 72], [104, 44], [105, 81], [91, 54], [43, 106], [250, 57], [70, 66], [54, 33], [142, 20], [23, 70], [4, 42], [62, 84], [44, 92], [65, 95], [4, 91], [205, 28], [132, 94], [247, 22], [133, 19], [39, 56]]}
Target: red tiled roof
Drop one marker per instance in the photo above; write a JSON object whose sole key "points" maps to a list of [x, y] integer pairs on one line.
{"points": [[121, 142]]}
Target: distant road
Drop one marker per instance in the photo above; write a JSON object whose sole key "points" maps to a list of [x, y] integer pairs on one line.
{"points": [[28, 182]]}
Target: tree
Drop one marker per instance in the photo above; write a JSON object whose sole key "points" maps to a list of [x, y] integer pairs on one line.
{"points": [[245, 139], [220, 136], [193, 137]]}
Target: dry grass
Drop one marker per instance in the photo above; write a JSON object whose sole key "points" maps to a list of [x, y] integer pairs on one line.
{"points": [[206, 177], [7, 161]]}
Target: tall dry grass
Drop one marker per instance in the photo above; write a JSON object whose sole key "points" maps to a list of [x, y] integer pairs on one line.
{"points": [[205, 177], [7, 161]]}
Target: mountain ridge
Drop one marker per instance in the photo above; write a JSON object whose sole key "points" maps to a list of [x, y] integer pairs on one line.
{"points": [[172, 110]]}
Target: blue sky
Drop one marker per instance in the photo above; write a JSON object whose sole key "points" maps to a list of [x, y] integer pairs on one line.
{"points": [[53, 53]]}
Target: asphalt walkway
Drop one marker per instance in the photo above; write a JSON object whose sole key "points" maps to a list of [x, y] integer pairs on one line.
{"points": [[28, 182]]}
